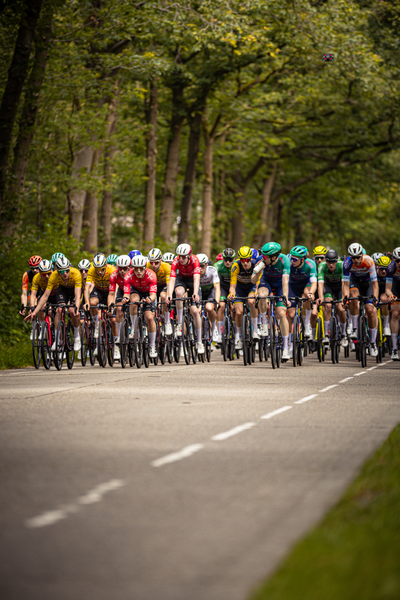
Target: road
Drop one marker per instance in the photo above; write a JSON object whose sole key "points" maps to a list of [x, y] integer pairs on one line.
{"points": [[176, 482]]}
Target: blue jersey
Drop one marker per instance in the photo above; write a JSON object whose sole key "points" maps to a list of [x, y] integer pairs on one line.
{"points": [[306, 273]]}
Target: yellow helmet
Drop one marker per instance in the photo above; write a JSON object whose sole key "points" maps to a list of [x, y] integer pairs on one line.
{"points": [[245, 252], [383, 261], [319, 251]]}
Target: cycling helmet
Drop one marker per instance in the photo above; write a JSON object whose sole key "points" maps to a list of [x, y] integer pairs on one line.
{"points": [[168, 257], [112, 259], [155, 254], [396, 253], [332, 256], [62, 263], [355, 249], [123, 261], [84, 264], [375, 256], [219, 256], [299, 252], [319, 251], [227, 253], [245, 252], [34, 261], [184, 250], [203, 259], [255, 253], [133, 253], [45, 266], [56, 256], [271, 249], [139, 261], [383, 261], [99, 261]]}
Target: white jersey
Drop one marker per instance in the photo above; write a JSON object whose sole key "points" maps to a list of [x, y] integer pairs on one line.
{"points": [[211, 277]]}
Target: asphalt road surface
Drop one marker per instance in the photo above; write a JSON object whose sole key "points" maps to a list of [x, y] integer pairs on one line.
{"points": [[176, 482]]}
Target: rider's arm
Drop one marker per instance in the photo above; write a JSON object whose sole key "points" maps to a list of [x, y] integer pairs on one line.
{"points": [[285, 285], [313, 287], [42, 302], [217, 288], [111, 298], [321, 289], [196, 284], [375, 289], [78, 294], [87, 292], [388, 289], [345, 288], [33, 297]]}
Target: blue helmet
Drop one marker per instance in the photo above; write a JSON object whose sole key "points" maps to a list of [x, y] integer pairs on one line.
{"points": [[133, 253], [255, 253]]}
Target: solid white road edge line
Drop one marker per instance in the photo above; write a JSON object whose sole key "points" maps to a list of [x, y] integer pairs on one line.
{"points": [[306, 399], [344, 380], [276, 412], [330, 387], [227, 434], [174, 456], [95, 495]]}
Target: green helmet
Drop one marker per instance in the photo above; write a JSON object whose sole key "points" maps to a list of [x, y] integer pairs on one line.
{"points": [[112, 259], [299, 252], [271, 249], [56, 256]]}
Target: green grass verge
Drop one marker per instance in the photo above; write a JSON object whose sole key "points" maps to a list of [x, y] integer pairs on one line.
{"points": [[16, 356], [354, 554]]}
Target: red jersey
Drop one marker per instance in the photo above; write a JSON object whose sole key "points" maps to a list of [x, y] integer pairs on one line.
{"points": [[192, 268], [148, 283], [117, 280]]}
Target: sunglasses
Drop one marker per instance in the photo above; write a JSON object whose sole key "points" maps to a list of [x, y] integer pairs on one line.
{"points": [[64, 271], [331, 262], [84, 270], [245, 260], [358, 257], [319, 257], [294, 259], [139, 268], [228, 259], [397, 260], [155, 262], [123, 268]]}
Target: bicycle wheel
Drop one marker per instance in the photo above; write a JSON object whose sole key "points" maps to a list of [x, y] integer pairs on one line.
{"points": [[138, 343], [46, 346], [193, 340], [226, 334], [333, 340], [162, 342], [84, 343], [300, 351], [124, 343], [59, 341], [363, 342], [146, 351], [296, 340], [186, 339], [92, 344], [69, 345], [131, 352], [36, 344], [260, 349], [102, 345], [272, 341]]}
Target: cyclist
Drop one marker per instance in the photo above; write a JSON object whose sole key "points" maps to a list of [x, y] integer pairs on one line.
{"points": [[27, 279], [210, 290], [375, 256], [188, 277], [112, 259], [382, 264], [116, 296], [55, 257], [393, 293], [303, 283], [275, 268], [330, 275], [99, 275], [134, 253], [224, 267], [162, 270], [141, 284], [168, 257], [68, 282], [39, 285], [359, 279], [241, 286], [319, 254]]}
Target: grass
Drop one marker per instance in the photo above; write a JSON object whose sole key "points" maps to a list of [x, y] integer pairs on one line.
{"points": [[17, 356], [354, 554]]}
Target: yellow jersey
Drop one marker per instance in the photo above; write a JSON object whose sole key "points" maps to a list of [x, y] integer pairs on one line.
{"points": [[74, 281], [162, 273], [101, 282], [239, 273], [40, 282]]}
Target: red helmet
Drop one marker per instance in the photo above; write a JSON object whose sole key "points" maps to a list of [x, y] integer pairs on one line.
{"points": [[34, 261], [219, 257]]}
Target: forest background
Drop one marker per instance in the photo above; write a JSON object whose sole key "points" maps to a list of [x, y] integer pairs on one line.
{"points": [[131, 124]]}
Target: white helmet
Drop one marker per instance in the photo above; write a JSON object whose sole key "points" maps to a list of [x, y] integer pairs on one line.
{"points": [[155, 254], [84, 264], [139, 261], [184, 250], [123, 261], [376, 256], [99, 261], [168, 257], [62, 263], [355, 249], [396, 253], [203, 259], [45, 266]]}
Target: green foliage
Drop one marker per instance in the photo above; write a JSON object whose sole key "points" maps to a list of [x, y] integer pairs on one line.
{"points": [[17, 355]]}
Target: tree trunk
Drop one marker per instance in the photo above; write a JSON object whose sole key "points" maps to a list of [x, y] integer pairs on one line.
{"points": [[190, 176], [172, 168], [266, 198], [90, 213], [206, 228], [16, 78], [76, 198], [106, 207], [29, 112], [151, 153], [238, 222]]}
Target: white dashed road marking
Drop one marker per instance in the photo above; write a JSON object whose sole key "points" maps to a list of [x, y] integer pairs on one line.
{"points": [[276, 412], [330, 387], [174, 456], [306, 399], [360, 373], [227, 434], [344, 380]]}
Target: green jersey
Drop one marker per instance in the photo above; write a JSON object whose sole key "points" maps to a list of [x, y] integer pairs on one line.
{"points": [[324, 274], [224, 273]]}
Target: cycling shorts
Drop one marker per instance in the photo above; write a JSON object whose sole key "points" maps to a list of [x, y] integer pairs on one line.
{"points": [[364, 287], [274, 288], [187, 283], [224, 291], [332, 291], [243, 290], [208, 295], [65, 295], [161, 287], [52, 299], [101, 295], [396, 288], [143, 296], [297, 289]]}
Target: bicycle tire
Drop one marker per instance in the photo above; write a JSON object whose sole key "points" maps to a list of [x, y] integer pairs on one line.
{"points": [[272, 341], [226, 339], [46, 346], [92, 344], [332, 339], [186, 339], [124, 343], [245, 348], [300, 351], [59, 341], [363, 347], [295, 339], [102, 345], [36, 345], [69, 344], [162, 342], [193, 343], [138, 343], [84, 343]]}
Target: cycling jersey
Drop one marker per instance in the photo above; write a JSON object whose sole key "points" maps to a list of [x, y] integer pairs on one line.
{"points": [[116, 280], [27, 278], [74, 280], [40, 282], [306, 273], [393, 272], [192, 268], [162, 273], [365, 271], [224, 273], [101, 282], [148, 283], [277, 270], [208, 280], [240, 274], [324, 274]]}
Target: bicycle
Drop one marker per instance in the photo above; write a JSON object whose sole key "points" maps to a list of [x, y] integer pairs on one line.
{"points": [[125, 345], [334, 327], [262, 345], [298, 332], [206, 336], [188, 332], [36, 340], [319, 336], [228, 335], [141, 338], [249, 350], [275, 341], [362, 341], [105, 341], [64, 339], [88, 341], [382, 342]]}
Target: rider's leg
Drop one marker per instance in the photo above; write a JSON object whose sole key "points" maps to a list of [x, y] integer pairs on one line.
{"points": [[372, 322], [151, 326], [394, 324], [220, 317], [195, 312], [133, 310], [284, 325], [179, 293]]}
